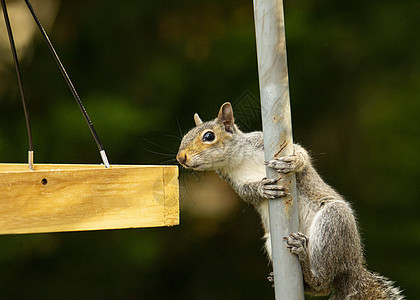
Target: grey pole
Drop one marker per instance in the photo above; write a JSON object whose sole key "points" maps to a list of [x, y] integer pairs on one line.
{"points": [[277, 128]]}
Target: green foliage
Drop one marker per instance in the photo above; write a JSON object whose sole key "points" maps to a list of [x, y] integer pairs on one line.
{"points": [[143, 68]]}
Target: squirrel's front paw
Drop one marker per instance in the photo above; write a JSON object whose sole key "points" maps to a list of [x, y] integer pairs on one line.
{"points": [[270, 189], [297, 243], [285, 164]]}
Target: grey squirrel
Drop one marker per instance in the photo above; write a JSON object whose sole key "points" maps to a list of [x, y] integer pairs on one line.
{"points": [[328, 243]]}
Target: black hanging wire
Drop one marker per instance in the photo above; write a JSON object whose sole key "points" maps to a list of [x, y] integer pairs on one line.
{"points": [[70, 84], [63, 72], [19, 77]]}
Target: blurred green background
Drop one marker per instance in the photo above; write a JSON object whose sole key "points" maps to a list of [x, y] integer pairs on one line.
{"points": [[143, 68]]}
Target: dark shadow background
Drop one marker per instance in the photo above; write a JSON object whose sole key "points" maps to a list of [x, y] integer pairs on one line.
{"points": [[143, 68]]}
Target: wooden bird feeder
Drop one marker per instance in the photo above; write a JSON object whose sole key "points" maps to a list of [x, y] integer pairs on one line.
{"points": [[53, 198]]}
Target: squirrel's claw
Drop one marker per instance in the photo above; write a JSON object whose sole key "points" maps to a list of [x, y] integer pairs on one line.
{"points": [[267, 181]]}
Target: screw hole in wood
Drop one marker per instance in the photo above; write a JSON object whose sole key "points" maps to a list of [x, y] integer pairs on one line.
{"points": [[44, 181]]}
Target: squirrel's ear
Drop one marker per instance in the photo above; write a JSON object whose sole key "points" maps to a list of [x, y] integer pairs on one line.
{"points": [[226, 117], [197, 120]]}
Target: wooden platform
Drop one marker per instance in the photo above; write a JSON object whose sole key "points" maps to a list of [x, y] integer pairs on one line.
{"points": [[55, 198]]}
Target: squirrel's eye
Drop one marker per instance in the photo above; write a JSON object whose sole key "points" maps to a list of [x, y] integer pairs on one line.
{"points": [[209, 136]]}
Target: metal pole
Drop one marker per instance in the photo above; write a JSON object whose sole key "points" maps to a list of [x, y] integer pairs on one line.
{"points": [[277, 128]]}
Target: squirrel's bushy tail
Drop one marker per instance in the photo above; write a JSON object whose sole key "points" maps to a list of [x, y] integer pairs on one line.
{"points": [[385, 287], [367, 286]]}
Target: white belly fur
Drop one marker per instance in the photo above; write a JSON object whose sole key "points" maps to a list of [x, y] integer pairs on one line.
{"points": [[248, 169]]}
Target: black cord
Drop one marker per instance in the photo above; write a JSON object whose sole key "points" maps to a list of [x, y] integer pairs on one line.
{"points": [[69, 83], [18, 73]]}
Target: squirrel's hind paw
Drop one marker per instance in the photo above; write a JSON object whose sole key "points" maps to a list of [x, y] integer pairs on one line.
{"points": [[297, 243], [270, 278]]}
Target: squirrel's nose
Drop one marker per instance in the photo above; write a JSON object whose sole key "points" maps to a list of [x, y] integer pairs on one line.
{"points": [[181, 158]]}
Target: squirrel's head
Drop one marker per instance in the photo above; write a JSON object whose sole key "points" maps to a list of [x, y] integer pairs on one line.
{"points": [[205, 147]]}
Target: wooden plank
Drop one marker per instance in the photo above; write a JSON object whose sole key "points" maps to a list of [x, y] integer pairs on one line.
{"points": [[55, 198]]}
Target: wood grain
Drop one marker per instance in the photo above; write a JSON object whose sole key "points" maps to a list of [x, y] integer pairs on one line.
{"points": [[55, 198]]}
